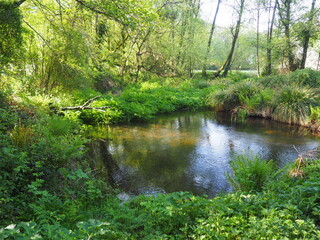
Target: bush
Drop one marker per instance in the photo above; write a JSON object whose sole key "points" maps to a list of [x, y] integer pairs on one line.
{"points": [[274, 81], [315, 114], [235, 95]]}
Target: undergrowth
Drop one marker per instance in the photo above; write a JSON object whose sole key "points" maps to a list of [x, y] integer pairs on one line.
{"points": [[144, 101]]}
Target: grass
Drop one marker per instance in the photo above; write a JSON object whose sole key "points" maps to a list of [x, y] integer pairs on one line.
{"points": [[144, 101], [286, 99], [292, 104]]}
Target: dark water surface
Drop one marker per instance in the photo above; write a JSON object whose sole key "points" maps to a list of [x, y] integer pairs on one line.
{"points": [[191, 151]]}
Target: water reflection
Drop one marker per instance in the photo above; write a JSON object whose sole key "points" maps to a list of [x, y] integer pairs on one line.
{"points": [[191, 151]]}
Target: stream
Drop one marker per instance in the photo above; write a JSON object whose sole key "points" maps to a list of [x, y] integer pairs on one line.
{"points": [[191, 151]]}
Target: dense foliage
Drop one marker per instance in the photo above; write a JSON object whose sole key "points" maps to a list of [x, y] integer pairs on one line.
{"points": [[143, 101]]}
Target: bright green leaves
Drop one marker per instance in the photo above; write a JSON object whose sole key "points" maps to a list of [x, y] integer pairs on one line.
{"points": [[130, 13], [10, 32]]}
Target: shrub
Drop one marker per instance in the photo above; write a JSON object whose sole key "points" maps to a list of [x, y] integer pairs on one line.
{"points": [[201, 84], [250, 174], [274, 81], [230, 98], [21, 135]]}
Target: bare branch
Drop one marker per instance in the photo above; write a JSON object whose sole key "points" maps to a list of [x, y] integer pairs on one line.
{"points": [[18, 3], [85, 106]]}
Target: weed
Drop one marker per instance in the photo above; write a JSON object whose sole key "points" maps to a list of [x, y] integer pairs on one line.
{"points": [[21, 136], [250, 173]]}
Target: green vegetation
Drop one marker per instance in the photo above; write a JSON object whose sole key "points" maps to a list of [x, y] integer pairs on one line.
{"points": [[124, 60], [291, 98], [143, 101], [58, 197], [250, 174], [49, 190]]}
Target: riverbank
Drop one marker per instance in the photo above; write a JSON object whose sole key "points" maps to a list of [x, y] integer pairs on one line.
{"points": [[292, 98]]}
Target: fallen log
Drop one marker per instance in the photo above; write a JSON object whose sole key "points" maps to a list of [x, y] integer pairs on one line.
{"points": [[85, 106]]}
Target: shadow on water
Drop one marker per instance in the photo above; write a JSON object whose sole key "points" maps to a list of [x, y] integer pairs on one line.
{"points": [[102, 160], [192, 151]]}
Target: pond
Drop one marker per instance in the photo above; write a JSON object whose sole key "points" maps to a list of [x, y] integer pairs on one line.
{"points": [[191, 151]]}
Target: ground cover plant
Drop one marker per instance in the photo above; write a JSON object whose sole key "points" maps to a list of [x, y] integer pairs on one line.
{"points": [[286, 209], [141, 102]]}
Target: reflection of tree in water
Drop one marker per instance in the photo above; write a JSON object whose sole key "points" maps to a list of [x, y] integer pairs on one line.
{"points": [[101, 159], [159, 152]]}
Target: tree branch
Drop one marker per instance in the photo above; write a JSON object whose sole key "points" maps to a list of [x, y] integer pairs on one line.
{"points": [[18, 3], [95, 10], [85, 106]]}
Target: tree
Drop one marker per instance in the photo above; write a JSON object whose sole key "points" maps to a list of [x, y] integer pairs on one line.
{"points": [[235, 34], [213, 25], [285, 15], [307, 33], [271, 18], [10, 30]]}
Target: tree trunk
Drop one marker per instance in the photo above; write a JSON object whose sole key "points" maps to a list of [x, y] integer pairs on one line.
{"points": [[258, 40], [204, 68], [285, 17], [269, 38], [307, 36], [227, 64]]}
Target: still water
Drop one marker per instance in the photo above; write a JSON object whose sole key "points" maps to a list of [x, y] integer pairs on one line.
{"points": [[192, 151]]}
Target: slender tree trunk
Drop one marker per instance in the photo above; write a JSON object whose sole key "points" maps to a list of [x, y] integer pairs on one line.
{"points": [[193, 14], [307, 36], [227, 64], [204, 68], [285, 17], [258, 40], [269, 38], [19, 2], [180, 57]]}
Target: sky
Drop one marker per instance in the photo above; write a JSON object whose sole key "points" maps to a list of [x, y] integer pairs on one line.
{"points": [[226, 18]]}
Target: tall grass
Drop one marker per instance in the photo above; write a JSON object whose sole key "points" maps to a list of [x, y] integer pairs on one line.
{"points": [[292, 104], [229, 98], [21, 136], [285, 98]]}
